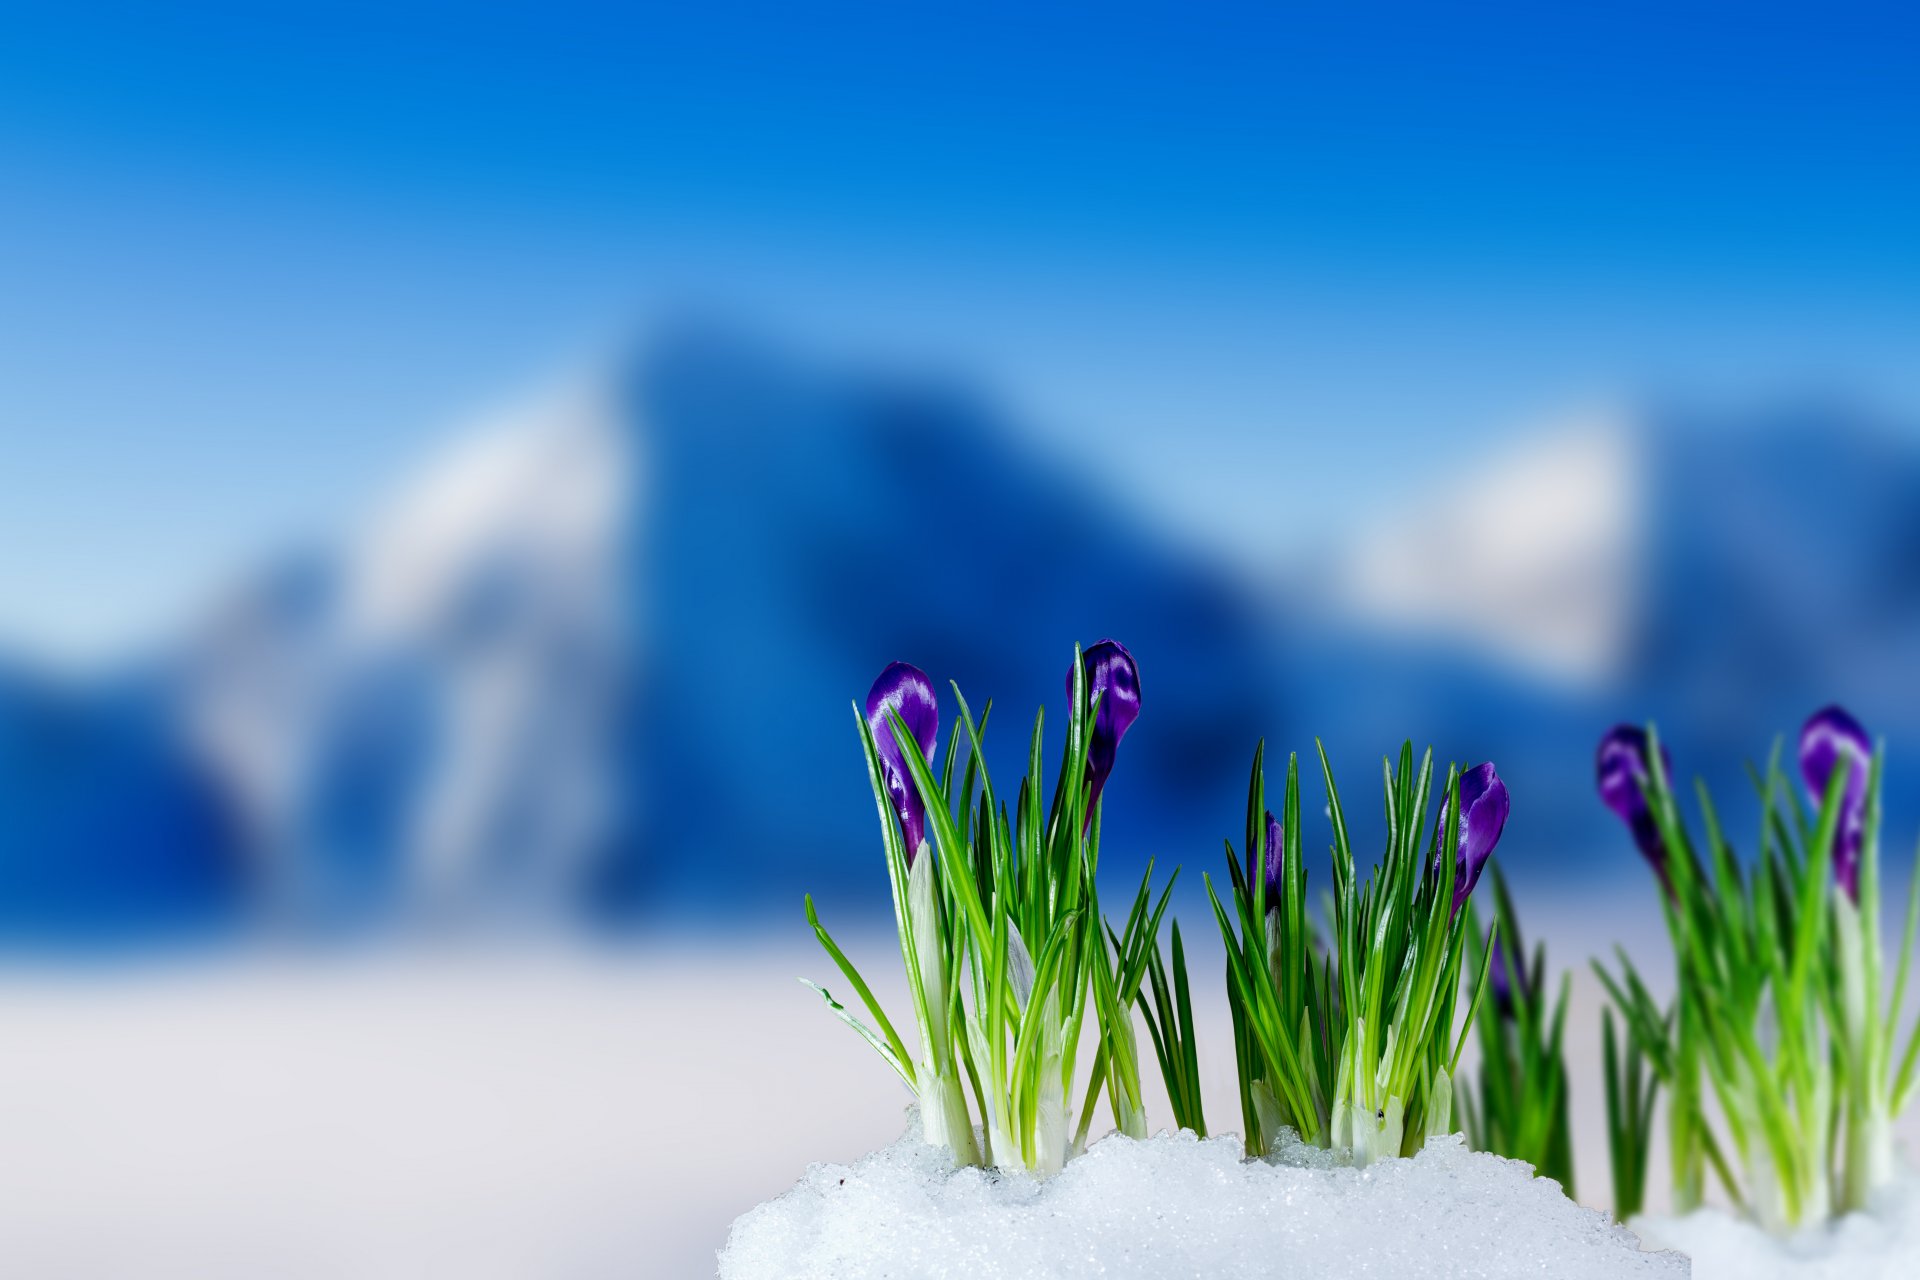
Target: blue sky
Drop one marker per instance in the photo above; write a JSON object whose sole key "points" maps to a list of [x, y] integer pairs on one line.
{"points": [[1260, 267]]}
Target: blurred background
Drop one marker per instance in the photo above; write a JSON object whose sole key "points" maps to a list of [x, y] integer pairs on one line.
{"points": [[458, 465]]}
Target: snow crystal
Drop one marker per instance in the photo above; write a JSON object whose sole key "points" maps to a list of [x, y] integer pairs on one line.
{"points": [[1884, 1243], [1181, 1206]]}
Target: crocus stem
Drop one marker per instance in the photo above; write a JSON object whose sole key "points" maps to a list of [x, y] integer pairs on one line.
{"points": [[1868, 1130], [1869, 1163], [944, 1120], [1094, 1084]]}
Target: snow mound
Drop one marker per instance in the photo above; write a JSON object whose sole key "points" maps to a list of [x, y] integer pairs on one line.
{"points": [[1884, 1243], [1179, 1205]]}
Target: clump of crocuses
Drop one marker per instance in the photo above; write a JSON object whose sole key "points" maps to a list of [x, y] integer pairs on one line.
{"points": [[1354, 1048], [1006, 952], [1785, 960], [1346, 1030]]}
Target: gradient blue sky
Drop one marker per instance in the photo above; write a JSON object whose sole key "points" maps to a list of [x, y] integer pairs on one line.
{"points": [[1261, 266]]}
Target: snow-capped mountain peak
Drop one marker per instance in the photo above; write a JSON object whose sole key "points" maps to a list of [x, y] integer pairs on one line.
{"points": [[1528, 556]]}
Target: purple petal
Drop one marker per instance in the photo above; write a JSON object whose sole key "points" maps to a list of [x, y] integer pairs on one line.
{"points": [[904, 689], [1831, 736], [1110, 671], [1275, 857], [1483, 815], [1621, 771]]}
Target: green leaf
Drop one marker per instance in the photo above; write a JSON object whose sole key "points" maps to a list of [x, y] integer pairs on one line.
{"points": [[866, 1033], [859, 984]]}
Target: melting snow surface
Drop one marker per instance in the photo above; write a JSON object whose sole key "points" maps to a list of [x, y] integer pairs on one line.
{"points": [[1180, 1206], [1882, 1245]]}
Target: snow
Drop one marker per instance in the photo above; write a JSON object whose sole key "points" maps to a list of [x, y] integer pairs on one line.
{"points": [[507, 1114], [1178, 1205], [1861, 1246], [1531, 556], [530, 1113]]}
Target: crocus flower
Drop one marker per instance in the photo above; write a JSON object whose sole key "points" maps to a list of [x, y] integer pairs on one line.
{"points": [[1274, 855], [904, 689], [1622, 771], [1110, 671], [1483, 815], [1829, 737]]}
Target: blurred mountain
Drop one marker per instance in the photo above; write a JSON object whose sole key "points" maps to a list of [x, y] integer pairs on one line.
{"points": [[801, 530], [1533, 555], [600, 656], [109, 831], [1723, 573], [423, 722]]}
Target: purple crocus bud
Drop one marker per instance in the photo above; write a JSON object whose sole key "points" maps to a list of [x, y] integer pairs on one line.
{"points": [[1110, 671], [1483, 815], [1829, 737], [1276, 847], [1622, 773], [905, 689]]}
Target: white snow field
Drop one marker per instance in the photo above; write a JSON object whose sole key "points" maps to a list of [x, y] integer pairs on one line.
{"points": [[542, 1114], [1881, 1245], [1180, 1206]]}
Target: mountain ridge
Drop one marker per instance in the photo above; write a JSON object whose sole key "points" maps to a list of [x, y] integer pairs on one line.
{"points": [[599, 659]]}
